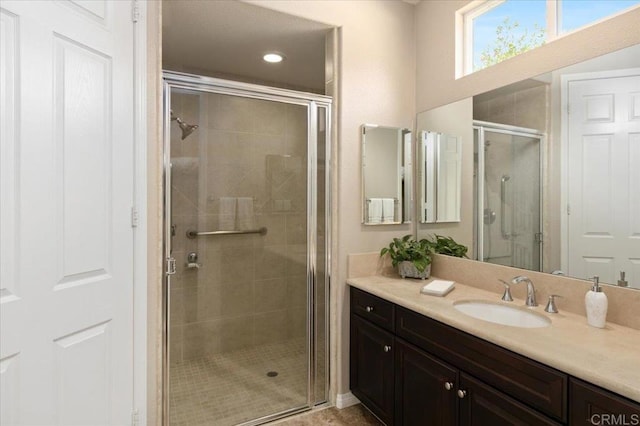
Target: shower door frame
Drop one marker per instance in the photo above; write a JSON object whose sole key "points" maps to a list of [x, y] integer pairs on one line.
{"points": [[313, 102], [481, 126]]}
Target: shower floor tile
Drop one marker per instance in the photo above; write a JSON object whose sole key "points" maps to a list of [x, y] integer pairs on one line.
{"points": [[233, 387]]}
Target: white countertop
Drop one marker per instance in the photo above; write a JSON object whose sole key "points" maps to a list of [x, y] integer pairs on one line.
{"points": [[608, 357]]}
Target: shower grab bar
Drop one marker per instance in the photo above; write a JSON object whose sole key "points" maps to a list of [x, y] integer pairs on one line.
{"points": [[503, 197], [395, 200], [193, 234]]}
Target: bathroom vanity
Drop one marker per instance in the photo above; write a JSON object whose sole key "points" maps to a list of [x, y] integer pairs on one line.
{"points": [[414, 360]]}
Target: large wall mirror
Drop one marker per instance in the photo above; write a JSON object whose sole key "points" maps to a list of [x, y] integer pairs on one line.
{"points": [[551, 170], [386, 187]]}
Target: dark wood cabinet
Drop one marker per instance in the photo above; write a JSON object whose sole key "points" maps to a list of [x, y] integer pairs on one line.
{"points": [[482, 405], [409, 369], [372, 367], [591, 405], [425, 388], [535, 384]]}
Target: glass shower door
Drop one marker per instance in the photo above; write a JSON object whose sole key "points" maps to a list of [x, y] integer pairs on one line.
{"points": [[508, 197], [246, 336]]}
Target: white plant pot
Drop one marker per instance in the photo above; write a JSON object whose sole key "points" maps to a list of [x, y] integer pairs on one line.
{"points": [[407, 269]]}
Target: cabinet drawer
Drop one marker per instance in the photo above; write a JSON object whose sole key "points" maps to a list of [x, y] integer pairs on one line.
{"points": [[372, 308], [482, 405], [591, 405], [534, 384]]}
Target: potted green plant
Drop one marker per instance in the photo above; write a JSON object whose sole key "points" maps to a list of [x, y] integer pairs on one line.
{"points": [[448, 246], [410, 256]]}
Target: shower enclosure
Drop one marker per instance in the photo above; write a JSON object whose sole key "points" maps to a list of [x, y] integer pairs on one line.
{"points": [[247, 222], [508, 195]]}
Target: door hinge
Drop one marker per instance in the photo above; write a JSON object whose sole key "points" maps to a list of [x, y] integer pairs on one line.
{"points": [[135, 11], [568, 209], [134, 217], [171, 266], [135, 418]]}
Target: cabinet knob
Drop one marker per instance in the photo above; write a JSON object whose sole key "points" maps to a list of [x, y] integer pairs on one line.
{"points": [[462, 393], [387, 348], [448, 385], [369, 308]]}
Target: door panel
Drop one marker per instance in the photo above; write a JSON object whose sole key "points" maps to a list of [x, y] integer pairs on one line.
{"points": [[67, 192], [421, 395], [603, 192]]}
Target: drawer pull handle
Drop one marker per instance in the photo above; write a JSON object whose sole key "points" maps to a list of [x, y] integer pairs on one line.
{"points": [[448, 386], [387, 348], [462, 393], [369, 308]]}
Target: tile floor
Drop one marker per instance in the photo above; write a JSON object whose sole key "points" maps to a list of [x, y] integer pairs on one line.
{"points": [[355, 415], [233, 387]]}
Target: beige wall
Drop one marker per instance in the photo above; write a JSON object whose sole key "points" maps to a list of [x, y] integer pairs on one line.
{"points": [[435, 58], [377, 85], [154, 214]]}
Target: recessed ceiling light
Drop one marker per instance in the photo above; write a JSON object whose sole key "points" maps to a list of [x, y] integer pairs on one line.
{"points": [[273, 57]]}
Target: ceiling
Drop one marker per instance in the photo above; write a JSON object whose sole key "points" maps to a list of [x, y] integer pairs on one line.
{"points": [[228, 38]]}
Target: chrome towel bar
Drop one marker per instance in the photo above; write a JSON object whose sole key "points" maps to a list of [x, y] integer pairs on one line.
{"points": [[193, 234]]}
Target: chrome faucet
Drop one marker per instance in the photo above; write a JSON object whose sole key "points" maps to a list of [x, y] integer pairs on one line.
{"points": [[531, 291]]}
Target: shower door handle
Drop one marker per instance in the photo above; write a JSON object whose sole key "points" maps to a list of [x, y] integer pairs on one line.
{"points": [[503, 206], [171, 266]]}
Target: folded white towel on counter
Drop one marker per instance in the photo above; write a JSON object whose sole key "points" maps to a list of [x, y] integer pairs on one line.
{"points": [[388, 210], [227, 215], [438, 288], [374, 210], [244, 218]]}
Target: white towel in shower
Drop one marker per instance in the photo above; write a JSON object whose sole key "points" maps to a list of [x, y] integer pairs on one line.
{"points": [[227, 215], [374, 212], [388, 210], [244, 219]]}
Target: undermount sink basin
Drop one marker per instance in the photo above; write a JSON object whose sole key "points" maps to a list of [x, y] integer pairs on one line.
{"points": [[502, 314]]}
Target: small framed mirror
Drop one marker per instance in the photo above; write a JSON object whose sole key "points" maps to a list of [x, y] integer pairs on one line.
{"points": [[439, 173], [386, 175]]}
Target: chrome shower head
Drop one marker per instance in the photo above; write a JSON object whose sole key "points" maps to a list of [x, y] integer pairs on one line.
{"points": [[186, 128]]}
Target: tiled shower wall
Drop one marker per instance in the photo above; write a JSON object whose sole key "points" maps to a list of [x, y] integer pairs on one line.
{"points": [[528, 107], [250, 289]]}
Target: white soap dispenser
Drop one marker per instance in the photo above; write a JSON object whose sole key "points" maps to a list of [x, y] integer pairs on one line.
{"points": [[596, 303]]}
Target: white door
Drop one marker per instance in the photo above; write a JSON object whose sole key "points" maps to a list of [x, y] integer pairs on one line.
{"points": [[66, 276], [604, 177]]}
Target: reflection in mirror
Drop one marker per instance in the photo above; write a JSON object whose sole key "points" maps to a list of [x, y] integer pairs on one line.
{"points": [[556, 170], [508, 194], [439, 177], [386, 188]]}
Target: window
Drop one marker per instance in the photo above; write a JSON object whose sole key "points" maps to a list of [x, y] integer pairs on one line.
{"points": [[495, 30], [575, 14]]}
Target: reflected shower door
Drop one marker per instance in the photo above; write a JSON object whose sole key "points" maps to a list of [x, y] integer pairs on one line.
{"points": [[509, 196], [246, 303]]}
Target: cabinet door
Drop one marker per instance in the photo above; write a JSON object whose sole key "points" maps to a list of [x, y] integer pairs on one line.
{"points": [[590, 405], [425, 388], [482, 405], [371, 367]]}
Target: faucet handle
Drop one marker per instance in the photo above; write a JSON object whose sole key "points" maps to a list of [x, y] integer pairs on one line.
{"points": [[507, 291], [551, 304]]}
